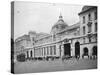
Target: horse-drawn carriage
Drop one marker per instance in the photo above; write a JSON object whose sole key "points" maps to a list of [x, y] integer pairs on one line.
{"points": [[21, 57]]}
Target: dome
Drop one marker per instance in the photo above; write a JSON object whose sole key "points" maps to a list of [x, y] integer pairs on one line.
{"points": [[59, 25]]}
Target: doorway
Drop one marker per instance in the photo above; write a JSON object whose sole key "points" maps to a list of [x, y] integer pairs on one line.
{"points": [[94, 52], [85, 52], [77, 49], [67, 49]]}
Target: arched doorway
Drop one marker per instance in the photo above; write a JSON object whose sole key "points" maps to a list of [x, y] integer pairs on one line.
{"points": [[85, 52], [67, 49], [94, 52], [77, 49]]}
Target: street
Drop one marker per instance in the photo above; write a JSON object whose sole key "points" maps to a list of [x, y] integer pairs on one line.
{"points": [[56, 65]]}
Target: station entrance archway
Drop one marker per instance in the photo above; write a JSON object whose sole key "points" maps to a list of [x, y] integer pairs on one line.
{"points": [[67, 49], [77, 49]]}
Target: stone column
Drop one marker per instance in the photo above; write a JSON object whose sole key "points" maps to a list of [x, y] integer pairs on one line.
{"points": [[33, 52], [45, 51], [62, 50], [27, 54]]}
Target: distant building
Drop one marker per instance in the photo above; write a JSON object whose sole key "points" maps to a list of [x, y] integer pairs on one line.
{"points": [[22, 43], [76, 40]]}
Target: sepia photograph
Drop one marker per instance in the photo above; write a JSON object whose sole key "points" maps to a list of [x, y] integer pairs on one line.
{"points": [[49, 37]]}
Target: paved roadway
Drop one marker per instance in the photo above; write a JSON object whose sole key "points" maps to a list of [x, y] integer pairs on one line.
{"points": [[56, 65]]}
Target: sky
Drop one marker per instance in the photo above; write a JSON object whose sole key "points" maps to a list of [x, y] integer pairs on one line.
{"points": [[40, 17]]}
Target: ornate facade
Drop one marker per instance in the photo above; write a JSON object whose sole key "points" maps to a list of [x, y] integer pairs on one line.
{"points": [[76, 40]]}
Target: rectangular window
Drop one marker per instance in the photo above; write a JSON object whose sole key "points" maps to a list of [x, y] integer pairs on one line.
{"points": [[89, 17], [83, 30], [95, 27], [83, 19], [89, 39], [89, 28], [95, 15]]}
